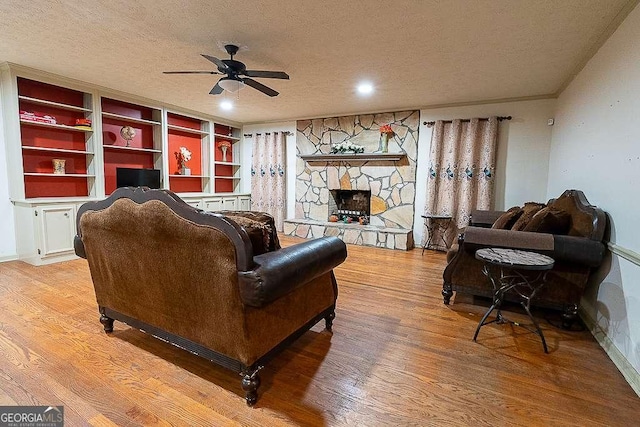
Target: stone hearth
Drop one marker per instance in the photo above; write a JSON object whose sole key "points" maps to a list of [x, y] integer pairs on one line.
{"points": [[391, 183]]}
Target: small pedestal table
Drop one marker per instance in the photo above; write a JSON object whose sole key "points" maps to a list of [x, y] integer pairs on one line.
{"points": [[511, 269]]}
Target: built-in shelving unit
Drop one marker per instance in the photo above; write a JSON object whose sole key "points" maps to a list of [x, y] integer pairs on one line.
{"points": [[50, 121], [144, 151], [226, 168], [192, 134], [44, 142]]}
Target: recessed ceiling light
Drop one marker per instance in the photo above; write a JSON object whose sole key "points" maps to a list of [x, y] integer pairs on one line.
{"points": [[365, 88], [226, 105]]}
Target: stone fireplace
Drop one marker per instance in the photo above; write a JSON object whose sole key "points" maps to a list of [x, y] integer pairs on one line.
{"points": [[389, 184]]}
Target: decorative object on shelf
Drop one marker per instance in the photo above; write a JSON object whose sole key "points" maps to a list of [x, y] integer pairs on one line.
{"points": [[333, 218], [385, 132], [347, 147], [58, 166], [37, 117], [84, 124], [183, 156], [127, 133], [224, 146]]}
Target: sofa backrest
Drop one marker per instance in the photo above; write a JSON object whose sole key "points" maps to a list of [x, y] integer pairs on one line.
{"points": [[586, 220], [154, 258]]}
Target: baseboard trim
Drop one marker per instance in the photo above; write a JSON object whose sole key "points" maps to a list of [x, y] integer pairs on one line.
{"points": [[628, 372], [628, 254], [8, 258]]}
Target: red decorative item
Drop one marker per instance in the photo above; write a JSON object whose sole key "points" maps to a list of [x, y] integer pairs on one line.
{"points": [[386, 129]]}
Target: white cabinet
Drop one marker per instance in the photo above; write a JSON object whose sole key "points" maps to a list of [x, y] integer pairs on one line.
{"points": [[46, 231], [229, 203], [57, 229], [244, 203], [213, 205], [195, 203]]}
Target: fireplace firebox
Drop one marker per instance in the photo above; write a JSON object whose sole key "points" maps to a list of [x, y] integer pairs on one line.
{"points": [[350, 206]]}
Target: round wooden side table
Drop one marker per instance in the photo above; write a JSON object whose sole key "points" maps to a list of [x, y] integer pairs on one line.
{"points": [[512, 269]]}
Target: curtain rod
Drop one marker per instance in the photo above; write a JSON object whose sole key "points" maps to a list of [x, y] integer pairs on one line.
{"points": [[500, 118], [249, 135]]}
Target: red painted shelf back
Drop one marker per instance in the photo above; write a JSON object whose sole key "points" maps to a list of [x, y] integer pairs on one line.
{"points": [[124, 159], [192, 143], [49, 92], [62, 186], [186, 122], [127, 109], [224, 186], [185, 185]]}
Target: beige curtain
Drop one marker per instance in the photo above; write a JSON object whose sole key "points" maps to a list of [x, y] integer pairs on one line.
{"points": [[268, 177], [461, 171]]}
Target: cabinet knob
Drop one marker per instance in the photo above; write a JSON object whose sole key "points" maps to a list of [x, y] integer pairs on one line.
{"points": [[66, 214]]}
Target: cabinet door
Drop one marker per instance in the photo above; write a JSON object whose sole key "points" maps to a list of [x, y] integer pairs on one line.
{"points": [[57, 229], [230, 203], [194, 203], [245, 203], [212, 205]]}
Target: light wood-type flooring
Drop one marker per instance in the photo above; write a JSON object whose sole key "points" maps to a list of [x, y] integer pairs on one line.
{"points": [[397, 357]]}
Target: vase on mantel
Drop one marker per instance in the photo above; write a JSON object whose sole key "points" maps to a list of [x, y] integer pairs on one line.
{"points": [[383, 145]]}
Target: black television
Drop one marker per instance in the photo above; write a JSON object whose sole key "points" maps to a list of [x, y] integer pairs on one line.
{"points": [[130, 177]]}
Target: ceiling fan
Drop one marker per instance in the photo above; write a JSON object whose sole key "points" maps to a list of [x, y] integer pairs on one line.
{"points": [[234, 70]]}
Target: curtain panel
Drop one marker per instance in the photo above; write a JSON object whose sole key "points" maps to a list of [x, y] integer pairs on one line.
{"points": [[268, 177], [461, 171]]}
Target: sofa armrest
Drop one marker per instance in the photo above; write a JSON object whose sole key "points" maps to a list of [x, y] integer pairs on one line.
{"points": [[578, 250], [79, 247], [280, 272], [481, 218], [581, 250]]}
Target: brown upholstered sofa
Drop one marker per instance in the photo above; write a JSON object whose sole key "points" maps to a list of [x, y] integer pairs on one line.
{"points": [[191, 278], [576, 253]]}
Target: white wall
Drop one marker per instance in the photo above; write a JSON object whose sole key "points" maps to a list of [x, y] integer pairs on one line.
{"points": [[522, 155], [291, 158], [8, 249], [596, 148]]}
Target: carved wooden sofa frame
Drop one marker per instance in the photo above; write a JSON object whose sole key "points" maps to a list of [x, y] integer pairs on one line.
{"points": [[227, 305]]}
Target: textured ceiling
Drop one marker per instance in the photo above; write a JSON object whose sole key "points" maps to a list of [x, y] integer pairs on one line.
{"points": [[415, 52]]}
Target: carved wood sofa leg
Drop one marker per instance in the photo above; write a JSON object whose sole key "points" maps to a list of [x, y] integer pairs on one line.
{"points": [[569, 316], [447, 293], [107, 323], [328, 320], [250, 384]]}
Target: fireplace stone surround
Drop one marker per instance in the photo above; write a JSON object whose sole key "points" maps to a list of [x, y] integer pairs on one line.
{"points": [[391, 183]]}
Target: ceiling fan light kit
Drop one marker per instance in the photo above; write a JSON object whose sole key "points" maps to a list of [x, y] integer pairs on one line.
{"points": [[234, 70], [231, 85]]}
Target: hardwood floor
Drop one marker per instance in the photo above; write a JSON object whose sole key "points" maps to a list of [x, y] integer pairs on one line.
{"points": [[397, 356]]}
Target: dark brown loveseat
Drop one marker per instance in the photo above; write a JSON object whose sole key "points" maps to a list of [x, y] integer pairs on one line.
{"points": [[191, 278], [576, 253]]}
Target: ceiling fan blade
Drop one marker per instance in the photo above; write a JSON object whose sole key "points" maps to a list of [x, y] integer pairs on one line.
{"points": [[259, 86], [217, 90], [221, 65], [267, 74], [190, 72]]}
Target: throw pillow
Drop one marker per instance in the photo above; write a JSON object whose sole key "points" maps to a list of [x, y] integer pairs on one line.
{"points": [[258, 234], [528, 211], [549, 220], [507, 219]]}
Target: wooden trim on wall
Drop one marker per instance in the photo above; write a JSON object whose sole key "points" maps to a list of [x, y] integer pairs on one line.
{"points": [[628, 254]]}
